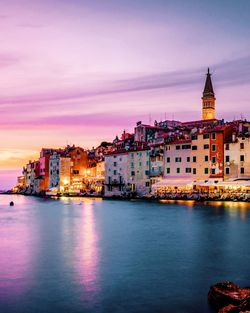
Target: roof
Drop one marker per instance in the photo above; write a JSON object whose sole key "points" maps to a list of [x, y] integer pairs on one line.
{"points": [[208, 89]]}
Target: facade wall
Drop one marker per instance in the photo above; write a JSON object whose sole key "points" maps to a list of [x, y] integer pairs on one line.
{"points": [[200, 157], [116, 174], [237, 159], [177, 161], [139, 171], [217, 155]]}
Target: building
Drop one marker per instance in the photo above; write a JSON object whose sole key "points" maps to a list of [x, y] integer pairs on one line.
{"points": [[116, 173], [139, 170], [237, 158], [59, 177]]}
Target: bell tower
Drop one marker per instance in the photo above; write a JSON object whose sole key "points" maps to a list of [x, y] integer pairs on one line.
{"points": [[208, 99]]}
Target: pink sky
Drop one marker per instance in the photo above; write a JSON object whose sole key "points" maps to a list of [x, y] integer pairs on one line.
{"points": [[80, 71]]}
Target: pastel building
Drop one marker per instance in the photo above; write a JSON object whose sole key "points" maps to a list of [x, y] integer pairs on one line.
{"points": [[177, 161], [59, 177], [116, 173], [237, 158], [127, 172], [139, 171], [200, 156]]}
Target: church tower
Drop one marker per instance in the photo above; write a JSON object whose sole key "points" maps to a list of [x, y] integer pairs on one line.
{"points": [[208, 99]]}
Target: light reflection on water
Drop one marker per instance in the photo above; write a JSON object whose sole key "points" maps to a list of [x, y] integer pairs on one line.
{"points": [[86, 255], [88, 251]]}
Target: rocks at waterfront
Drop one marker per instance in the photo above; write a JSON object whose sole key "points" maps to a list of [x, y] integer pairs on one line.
{"points": [[228, 297]]}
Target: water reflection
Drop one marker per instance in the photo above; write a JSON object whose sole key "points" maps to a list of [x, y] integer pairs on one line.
{"points": [[87, 252], [15, 250]]}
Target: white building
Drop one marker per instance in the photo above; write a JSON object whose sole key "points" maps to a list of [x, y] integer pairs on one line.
{"points": [[127, 172], [59, 172], [116, 173]]}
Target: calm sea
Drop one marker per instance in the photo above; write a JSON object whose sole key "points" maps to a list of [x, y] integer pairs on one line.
{"points": [[85, 255]]}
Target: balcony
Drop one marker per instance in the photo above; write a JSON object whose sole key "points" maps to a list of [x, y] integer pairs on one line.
{"points": [[115, 182]]}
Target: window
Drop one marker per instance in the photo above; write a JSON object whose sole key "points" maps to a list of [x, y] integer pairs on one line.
{"points": [[188, 159], [205, 136], [168, 170], [242, 170], [194, 171], [146, 172], [242, 158], [184, 147], [132, 173], [168, 159], [194, 147], [227, 171], [178, 170], [132, 164], [213, 171], [147, 163], [213, 147], [132, 155], [206, 170], [213, 159], [194, 159], [194, 137], [227, 146], [115, 163], [188, 169], [114, 172], [206, 158], [147, 184], [139, 163], [213, 136], [206, 146], [242, 145], [178, 147], [177, 159]]}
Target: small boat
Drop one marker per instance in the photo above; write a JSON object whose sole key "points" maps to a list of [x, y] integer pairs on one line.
{"points": [[11, 203]]}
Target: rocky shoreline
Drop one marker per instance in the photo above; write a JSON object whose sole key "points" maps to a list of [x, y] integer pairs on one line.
{"points": [[173, 197], [227, 297]]}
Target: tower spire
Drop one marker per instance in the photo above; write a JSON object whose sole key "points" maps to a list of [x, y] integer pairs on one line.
{"points": [[208, 99], [208, 89]]}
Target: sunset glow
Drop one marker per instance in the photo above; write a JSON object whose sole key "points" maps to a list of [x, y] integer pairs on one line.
{"points": [[82, 71]]}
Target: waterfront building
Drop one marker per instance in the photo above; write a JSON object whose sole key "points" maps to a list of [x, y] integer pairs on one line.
{"points": [[139, 170], [237, 157], [59, 177], [200, 156], [78, 167], [116, 173]]}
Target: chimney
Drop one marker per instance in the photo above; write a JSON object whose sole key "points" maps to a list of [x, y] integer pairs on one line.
{"points": [[233, 137]]}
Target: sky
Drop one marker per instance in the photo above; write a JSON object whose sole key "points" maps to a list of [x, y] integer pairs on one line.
{"points": [[80, 72]]}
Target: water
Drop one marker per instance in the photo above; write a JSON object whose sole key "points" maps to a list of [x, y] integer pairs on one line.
{"points": [[84, 255]]}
